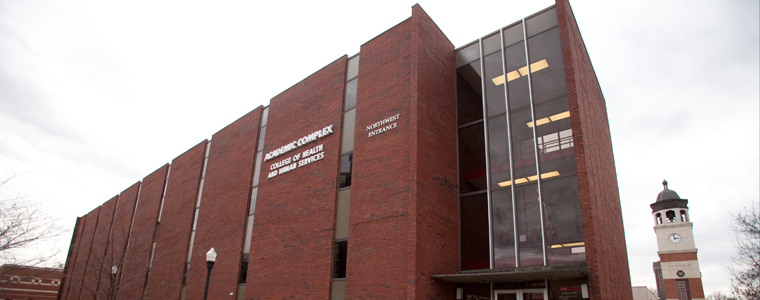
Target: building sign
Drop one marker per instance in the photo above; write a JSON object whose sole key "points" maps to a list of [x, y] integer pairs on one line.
{"points": [[300, 159], [382, 126]]}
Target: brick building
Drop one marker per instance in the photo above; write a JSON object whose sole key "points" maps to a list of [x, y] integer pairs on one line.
{"points": [[19, 282], [409, 170]]}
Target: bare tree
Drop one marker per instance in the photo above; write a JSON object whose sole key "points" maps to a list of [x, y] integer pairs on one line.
{"points": [[720, 296], [654, 292], [103, 276], [745, 269], [24, 224]]}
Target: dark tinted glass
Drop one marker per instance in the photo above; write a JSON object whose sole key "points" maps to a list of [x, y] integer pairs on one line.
{"points": [[345, 170], [350, 100], [469, 93], [474, 236], [340, 253], [516, 77], [494, 83], [555, 138], [472, 159], [499, 151], [547, 70], [562, 220], [262, 133], [503, 229], [522, 144], [529, 235]]}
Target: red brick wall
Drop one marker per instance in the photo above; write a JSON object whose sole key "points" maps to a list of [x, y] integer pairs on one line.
{"points": [[71, 258], [25, 282], [95, 266], [115, 254], [606, 254], [434, 236], [132, 278], [224, 202], [173, 233], [83, 253], [378, 260], [695, 288], [292, 242], [678, 256]]}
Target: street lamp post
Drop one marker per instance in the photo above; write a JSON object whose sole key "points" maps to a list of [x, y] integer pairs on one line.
{"points": [[112, 293], [210, 259]]}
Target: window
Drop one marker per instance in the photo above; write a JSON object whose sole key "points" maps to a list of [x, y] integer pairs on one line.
{"points": [[340, 254], [345, 170]]}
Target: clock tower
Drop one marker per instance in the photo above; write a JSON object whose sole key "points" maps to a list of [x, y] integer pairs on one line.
{"points": [[678, 275]]}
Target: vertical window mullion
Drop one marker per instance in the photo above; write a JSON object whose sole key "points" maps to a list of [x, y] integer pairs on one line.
{"points": [[509, 147], [488, 153], [535, 141]]}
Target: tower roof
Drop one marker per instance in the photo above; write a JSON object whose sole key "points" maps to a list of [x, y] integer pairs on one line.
{"points": [[666, 194]]}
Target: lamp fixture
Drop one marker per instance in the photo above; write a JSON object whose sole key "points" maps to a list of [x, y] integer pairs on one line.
{"points": [[529, 178], [552, 118], [534, 67]]}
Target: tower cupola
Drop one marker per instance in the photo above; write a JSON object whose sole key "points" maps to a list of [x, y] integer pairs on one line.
{"points": [[669, 208]]}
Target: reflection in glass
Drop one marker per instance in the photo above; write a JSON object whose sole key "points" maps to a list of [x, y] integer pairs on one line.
{"points": [[469, 91], [562, 221], [499, 151], [503, 229], [517, 81], [345, 170], [350, 99], [523, 148], [546, 53], [494, 84], [530, 238], [555, 138], [472, 159], [474, 232]]}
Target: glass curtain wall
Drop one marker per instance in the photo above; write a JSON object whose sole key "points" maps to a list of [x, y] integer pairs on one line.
{"points": [[519, 201]]}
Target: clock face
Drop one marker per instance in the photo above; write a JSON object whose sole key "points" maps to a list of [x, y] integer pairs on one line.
{"points": [[674, 238]]}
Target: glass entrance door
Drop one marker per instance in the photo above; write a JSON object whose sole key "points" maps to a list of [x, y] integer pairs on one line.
{"points": [[525, 294]]}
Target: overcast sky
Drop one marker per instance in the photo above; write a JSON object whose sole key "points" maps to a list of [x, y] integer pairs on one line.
{"points": [[96, 95]]}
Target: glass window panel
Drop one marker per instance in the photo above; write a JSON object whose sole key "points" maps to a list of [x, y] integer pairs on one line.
{"points": [[340, 254], [262, 133], [499, 151], [468, 54], [541, 22], [257, 169], [513, 35], [503, 229], [494, 84], [547, 69], [524, 159], [345, 170], [555, 142], [562, 220], [252, 205], [491, 44], [350, 98], [474, 233], [353, 68], [347, 133], [264, 116], [342, 212], [469, 93], [248, 231], [516, 77], [472, 159], [529, 234]]}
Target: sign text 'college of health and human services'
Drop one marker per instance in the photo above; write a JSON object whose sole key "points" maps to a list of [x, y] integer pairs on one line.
{"points": [[299, 159], [380, 126]]}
